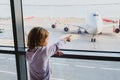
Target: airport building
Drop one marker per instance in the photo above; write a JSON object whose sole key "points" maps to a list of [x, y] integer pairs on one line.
{"points": [[82, 59]]}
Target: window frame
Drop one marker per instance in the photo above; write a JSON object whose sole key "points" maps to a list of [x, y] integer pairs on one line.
{"points": [[19, 43]]}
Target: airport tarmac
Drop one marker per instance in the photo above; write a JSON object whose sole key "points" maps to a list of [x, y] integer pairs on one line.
{"points": [[70, 69], [107, 41]]}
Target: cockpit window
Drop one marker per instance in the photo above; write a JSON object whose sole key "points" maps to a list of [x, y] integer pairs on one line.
{"points": [[95, 14]]}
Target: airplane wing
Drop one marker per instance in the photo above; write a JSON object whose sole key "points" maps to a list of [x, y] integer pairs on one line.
{"points": [[110, 23], [81, 27], [109, 20], [115, 25]]}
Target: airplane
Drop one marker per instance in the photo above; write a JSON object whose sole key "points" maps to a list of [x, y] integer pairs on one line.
{"points": [[1, 30], [94, 25]]}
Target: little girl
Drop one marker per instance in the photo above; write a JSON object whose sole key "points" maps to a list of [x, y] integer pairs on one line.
{"points": [[38, 53]]}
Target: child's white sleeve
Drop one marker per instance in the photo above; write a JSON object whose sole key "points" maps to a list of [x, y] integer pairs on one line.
{"points": [[55, 47]]}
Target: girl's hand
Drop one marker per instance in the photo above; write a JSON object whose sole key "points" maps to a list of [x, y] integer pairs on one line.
{"points": [[68, 38], [59, 53]]}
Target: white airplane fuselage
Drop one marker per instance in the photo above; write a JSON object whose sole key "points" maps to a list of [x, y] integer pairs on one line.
{"points": [[94, 23]]}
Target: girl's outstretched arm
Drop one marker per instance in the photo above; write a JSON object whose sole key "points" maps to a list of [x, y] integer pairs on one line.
{"points": [[55, 47]]}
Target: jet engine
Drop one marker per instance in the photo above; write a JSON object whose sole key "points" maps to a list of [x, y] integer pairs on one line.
{"points": [[66, 29], [116, 30], [53, 26]]}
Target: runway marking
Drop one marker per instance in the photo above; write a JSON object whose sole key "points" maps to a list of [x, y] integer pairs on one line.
{"points": [[8, 72], [61, 64], [84, 66], [111, 69], [57, 79]]}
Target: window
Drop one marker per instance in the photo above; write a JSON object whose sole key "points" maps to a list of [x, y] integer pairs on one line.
{"points": [[78, 69], [7, 67], [59, 14], [62, 18], [12, 50], [6, 33]]}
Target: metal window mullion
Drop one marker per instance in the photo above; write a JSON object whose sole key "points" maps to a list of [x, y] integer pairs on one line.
{"points": [[18, 34]]}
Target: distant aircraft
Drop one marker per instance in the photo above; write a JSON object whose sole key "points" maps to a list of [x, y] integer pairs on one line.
{"points": [[4, 23], [94, 25], [1, 30]]}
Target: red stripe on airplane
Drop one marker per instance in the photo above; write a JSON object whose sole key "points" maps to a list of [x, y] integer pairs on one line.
{"points": [[108, 20]]}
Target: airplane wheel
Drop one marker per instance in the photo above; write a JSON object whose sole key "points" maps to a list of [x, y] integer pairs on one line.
{"points": [[66, 29], [79, 32], [100, 33], [86, 32], [93, 40], [1, 30], [53, 26]]}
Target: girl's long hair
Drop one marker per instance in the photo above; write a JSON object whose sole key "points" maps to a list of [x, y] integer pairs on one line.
{"points": [[36, 37]]}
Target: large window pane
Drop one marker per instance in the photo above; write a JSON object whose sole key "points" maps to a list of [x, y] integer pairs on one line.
{"points": [[6, 33], [7, 67], [72, 14], [78, 69]]}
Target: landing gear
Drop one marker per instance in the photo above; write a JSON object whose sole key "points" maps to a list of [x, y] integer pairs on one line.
{"points": [[93, 39], [82, 30], [100, 33], [1, 30], [79, 32], [85, 32], [66, 29]]}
